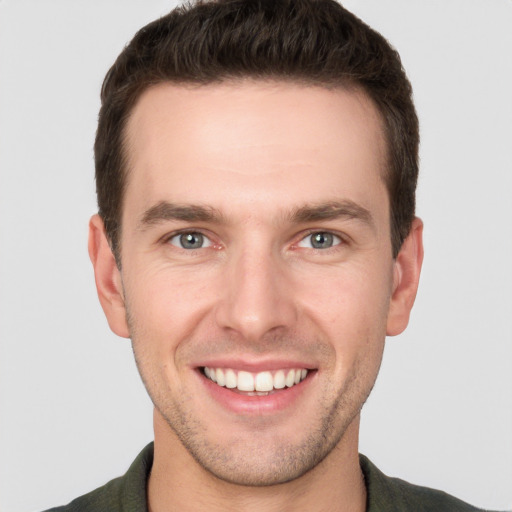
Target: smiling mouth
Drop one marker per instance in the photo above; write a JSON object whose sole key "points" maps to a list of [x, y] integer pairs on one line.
{"points": [[255, 384]]}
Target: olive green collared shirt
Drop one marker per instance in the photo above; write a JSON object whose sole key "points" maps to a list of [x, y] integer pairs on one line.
{"points": [[385, 494]]}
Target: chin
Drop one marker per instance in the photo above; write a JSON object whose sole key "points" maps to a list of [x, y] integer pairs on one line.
{"points": [[262, 458], [261, 466]]}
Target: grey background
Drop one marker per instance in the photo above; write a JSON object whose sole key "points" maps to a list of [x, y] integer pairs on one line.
{"points": [[73, 411]]}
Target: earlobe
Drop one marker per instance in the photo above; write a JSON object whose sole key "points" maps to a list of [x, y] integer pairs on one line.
{"points": [[107, 277], [406, 278]]}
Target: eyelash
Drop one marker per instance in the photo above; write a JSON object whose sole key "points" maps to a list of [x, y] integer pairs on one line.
{"points": [[337, 240], [169, 239]]}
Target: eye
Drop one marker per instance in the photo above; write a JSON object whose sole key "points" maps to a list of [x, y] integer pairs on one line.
{"points": [[190, 240], [320, 240]]}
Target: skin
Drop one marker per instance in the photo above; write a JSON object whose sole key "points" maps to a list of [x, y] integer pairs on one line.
{"points": [[266, 158]]}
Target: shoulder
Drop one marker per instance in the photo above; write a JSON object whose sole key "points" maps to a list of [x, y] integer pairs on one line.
{"points": [[123, 494], [106, 497], [386, 493]]}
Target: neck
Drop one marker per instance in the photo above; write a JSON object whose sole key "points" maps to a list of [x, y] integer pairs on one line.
{"points": [[178, 483]]}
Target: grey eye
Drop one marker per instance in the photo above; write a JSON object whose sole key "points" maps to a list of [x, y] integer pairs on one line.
{"points": [[190, 240], [320, 240]]}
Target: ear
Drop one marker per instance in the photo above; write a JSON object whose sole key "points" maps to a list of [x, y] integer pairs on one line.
{"points": [[406, 276], [107, 277]]}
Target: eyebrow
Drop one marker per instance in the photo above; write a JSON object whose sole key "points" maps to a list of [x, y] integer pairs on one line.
{"points": [[332, 210], [166, 211]]}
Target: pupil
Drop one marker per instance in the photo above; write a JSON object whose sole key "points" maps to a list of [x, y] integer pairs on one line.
{"points": [[191, 240], [322, 240]]}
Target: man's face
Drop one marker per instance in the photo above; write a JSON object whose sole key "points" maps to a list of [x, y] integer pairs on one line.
{"points": [[256, 252]]}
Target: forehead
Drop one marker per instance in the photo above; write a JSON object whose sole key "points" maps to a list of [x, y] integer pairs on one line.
{"points": [[272, 144]]}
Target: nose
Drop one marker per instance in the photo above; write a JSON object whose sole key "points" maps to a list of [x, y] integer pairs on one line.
{"points": [[257, 296]]}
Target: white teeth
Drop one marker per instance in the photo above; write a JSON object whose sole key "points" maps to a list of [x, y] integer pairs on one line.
{"points": [[256, 384], [264, 382], [279, 379], [245, 381], [290, 379], [231, 380], [220, 377]]}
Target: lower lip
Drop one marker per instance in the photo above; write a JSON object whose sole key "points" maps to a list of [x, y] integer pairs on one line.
{"points": [[256, 405]]}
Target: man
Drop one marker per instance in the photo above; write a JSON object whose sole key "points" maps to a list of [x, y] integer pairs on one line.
{"points": [[256, 164]]}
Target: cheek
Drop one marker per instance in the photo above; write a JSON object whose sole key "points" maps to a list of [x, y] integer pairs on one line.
{"points": [[350, 309], [168, 300], [164, 309], [347, 298]]}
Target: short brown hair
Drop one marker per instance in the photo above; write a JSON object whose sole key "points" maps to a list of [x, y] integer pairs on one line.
{"points": [[315, 42]]}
